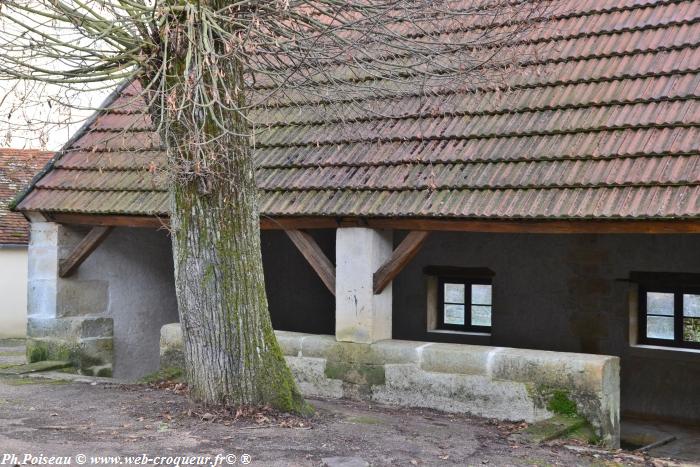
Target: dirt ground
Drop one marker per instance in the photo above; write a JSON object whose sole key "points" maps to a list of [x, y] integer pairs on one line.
{"points": [[58, 418]]}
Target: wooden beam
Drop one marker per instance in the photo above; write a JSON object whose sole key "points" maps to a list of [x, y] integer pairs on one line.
{"points": [[590, 226], [401, 256], [580, 226], [320, 263], [81, 252], [295, 223], [112, 221], [543, 226]]}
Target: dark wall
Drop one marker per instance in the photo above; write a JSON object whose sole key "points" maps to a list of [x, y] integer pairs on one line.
{"points": [[298, 299], [561, 292]]}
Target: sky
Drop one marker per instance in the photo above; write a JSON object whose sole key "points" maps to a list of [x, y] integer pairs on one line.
{"points": [[28, 121]]}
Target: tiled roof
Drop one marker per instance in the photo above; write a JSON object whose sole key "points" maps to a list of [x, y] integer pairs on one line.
{"points": [[17, 167], [606, 124]]}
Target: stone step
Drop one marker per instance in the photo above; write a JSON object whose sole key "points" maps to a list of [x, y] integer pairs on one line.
{"points": [[76, 327], [549, 429], [46, 365]]}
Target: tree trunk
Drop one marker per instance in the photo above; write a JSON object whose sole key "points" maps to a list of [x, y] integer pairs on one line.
{"points": [[231, 354]]}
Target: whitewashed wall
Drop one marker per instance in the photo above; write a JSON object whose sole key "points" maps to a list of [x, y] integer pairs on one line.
{"points": [[13, 291]]}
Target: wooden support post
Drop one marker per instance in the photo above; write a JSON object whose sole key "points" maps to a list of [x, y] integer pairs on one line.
{"points": [[320, 263], [80, 253], [401, 256]]}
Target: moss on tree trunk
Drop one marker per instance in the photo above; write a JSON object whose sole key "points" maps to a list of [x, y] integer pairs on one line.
{"points": [[231, 354]]}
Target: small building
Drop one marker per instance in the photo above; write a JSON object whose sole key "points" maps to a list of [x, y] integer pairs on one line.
{"points": [[462, 251], [17, 167]]}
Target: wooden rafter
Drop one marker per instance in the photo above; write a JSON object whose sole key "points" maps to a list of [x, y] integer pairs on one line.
{"points": [[81, 252], [320, 263], [401, 256]]}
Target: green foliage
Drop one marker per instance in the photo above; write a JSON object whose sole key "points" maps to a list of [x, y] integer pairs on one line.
{"points": [[164, 374], [560, 404], [37, 352]]}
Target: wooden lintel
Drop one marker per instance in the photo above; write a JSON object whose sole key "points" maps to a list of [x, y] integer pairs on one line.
{"points": [[110, 220], [581, 226], [401, 256], [295, 223], [81, 252], [320, 263]]}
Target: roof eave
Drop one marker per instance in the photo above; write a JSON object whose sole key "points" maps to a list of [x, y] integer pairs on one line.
{"points": [[17, 200]]}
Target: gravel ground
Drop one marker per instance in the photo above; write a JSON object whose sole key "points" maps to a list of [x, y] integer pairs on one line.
{"points": [[59, 418]]}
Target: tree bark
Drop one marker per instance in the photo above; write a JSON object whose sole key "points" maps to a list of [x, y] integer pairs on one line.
{"points": [[231, 354]]}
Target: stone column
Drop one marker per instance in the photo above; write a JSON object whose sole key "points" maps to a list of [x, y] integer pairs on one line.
{"points": [[42, 286], [361, 316], [66, 318]]}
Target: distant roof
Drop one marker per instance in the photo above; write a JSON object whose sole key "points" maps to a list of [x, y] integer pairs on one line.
{"points": [[17, 167], [607, 128]]}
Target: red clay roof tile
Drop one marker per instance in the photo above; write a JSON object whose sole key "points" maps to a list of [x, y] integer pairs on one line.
{"points": [[17, 167], [603, 123]]}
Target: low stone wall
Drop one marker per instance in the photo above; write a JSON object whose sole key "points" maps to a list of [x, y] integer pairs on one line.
{"points": [[495, 382]]}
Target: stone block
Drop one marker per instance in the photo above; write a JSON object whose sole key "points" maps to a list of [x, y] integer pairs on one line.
{"points": [[78, 297], [396, 351], [171, 335], [96, 351], [314, 345], [41, 298], [172, 351], [68, 329], [361, 374], [290, 342], [309, 374], [96, 327], [456, 358], [557, 369], [408, 385], [351, 352], [493, 382]]}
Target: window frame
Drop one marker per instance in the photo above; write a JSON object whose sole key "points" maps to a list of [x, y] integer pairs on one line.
{"points": [[678, 292], [467, 282]]}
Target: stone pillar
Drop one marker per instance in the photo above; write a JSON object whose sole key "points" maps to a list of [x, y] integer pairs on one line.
{"points": [[66, 318], [42, 285], [361, 316]]}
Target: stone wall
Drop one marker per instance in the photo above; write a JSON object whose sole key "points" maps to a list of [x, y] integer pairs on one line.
{"points": [[495, 382], [565, 293], [13, 290], [106, 317]]}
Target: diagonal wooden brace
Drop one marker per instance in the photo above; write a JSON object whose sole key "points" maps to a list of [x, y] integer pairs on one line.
{"points": [[401, 256], [320, 263], [81, 252]]}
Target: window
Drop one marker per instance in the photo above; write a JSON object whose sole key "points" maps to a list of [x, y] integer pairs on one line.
{"points": [[669, 315], [464, 304]]}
